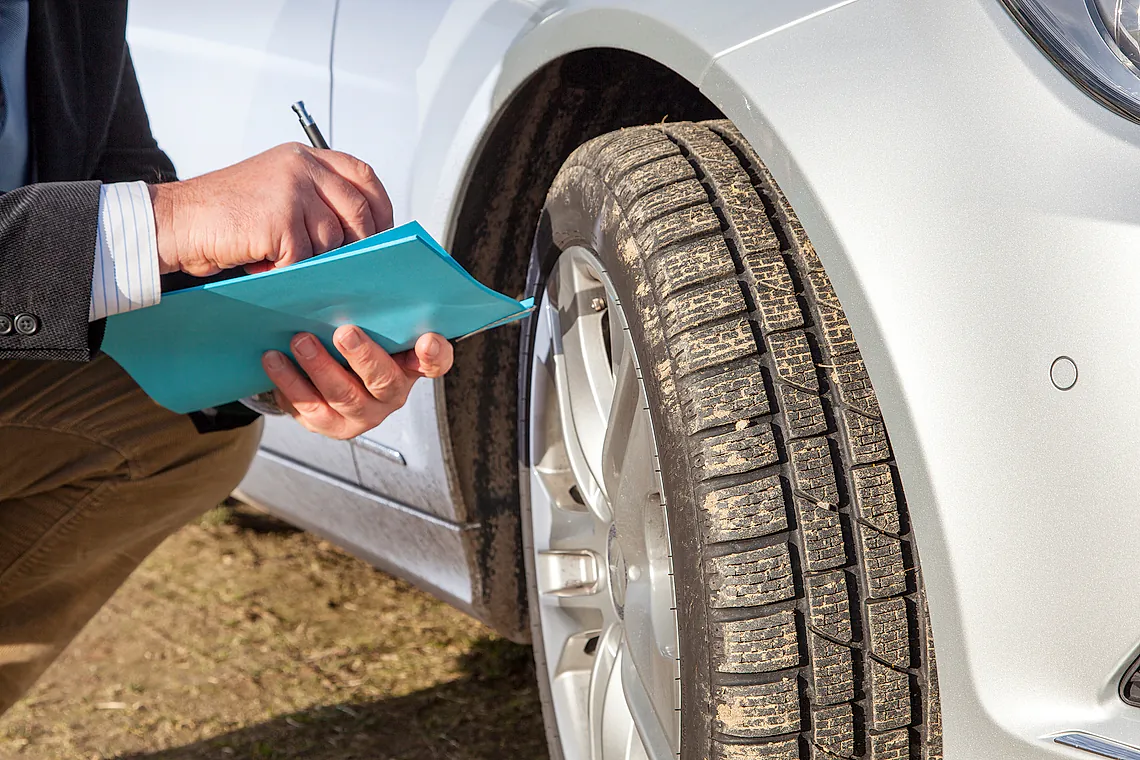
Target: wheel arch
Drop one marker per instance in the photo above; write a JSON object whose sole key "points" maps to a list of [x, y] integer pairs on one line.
{"points": [[564, 103]]}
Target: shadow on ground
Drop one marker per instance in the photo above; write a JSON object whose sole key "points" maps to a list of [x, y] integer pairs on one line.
{"points": [[489, 713]]}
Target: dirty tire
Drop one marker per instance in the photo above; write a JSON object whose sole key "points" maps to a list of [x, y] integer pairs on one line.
{"points": [[801, 610]]}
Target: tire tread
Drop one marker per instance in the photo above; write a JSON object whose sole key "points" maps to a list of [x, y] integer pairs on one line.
{"points": [[820, 645]]}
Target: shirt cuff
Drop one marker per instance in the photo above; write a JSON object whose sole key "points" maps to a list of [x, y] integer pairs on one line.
{"points": [[126, 251]]}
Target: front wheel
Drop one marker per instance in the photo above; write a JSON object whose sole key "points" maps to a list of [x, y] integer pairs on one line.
{"points": [[718, 553]]}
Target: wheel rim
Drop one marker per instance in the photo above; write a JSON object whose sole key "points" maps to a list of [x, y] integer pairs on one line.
{"points": [[603, 565]]}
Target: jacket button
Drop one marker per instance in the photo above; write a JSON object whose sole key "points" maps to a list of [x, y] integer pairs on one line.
{"points": [[5, 324], [26, 324]]}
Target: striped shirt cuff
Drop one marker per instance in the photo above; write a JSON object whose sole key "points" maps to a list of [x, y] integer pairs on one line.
{"points": [[126, 251]]}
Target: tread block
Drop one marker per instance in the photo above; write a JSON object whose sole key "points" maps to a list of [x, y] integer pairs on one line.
{"points": [[890, 697], [690, 263], [803, 412], [891, 745], [838, 340], [645, 181], [616, 168], [801, 245], [754, 233], [889, 627], [832, 679], [742, 207], [932, 709], [777, 303], [760, 645], [665, 200], [747, 448], [709, 345], [721, 399], [874, 488], [781, 749], [751, 578], [882, 563], [866, 438], [853, 385], [823, 536], [761, 710], [699, 306], [820, 285], [748, 510], [829, 604], [606, 148], [792, 356], [833, 730], [675, 227], [813, 471]]}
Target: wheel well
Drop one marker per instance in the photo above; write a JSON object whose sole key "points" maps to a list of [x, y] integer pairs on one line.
{"points": [[564, 104]]}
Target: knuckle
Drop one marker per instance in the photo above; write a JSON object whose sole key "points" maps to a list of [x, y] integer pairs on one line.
{"points": [[367, 173], [359, 211], [330, 232], [310, 410], [348, 400], [385, 384]]}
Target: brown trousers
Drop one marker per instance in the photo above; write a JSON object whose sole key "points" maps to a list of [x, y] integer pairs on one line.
{"points": [[93, 476]]}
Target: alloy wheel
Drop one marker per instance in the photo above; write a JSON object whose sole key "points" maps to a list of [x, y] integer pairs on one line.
{"points": [[600, 535]]}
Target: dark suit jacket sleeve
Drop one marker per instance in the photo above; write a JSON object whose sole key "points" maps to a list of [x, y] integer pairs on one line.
{"points": [[131, 152], [48, 234], [47, 253]]}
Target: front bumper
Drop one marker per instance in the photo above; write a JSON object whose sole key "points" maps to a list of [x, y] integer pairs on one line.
{"points": [[980, 216]]}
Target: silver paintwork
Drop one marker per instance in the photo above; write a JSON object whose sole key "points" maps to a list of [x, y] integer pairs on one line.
{"points": [[977, 214], [428, 551], [602, 556]]}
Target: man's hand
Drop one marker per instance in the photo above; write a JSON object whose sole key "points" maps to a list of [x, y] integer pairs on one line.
{"points": [[275, 209], [334, 402]]}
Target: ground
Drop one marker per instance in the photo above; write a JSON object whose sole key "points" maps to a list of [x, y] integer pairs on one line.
{"points": [[243, 638]]}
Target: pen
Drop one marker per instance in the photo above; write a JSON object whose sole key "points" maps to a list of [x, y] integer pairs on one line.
{"points": [[312, 131]]}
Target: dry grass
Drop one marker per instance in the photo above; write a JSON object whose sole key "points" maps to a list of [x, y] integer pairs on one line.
{"points": [[243, 638]]}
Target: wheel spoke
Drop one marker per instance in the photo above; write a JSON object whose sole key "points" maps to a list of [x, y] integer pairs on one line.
{"points": [[581, 419], [647, 722], [567, 573], [623, 414]]}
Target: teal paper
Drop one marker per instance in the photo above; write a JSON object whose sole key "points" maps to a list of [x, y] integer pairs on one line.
{"points": [[202, 347]]}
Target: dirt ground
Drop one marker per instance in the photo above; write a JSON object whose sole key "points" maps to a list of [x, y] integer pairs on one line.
{"points": [[244, 638]]}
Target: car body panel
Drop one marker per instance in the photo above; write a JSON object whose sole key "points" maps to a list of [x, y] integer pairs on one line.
{"points": [[977, 215]]}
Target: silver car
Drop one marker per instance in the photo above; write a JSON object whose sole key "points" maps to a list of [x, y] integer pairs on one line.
{"points": [[762, 236]]}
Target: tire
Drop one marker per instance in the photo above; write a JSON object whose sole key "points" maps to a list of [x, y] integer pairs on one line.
{"points": [[800, 612]]}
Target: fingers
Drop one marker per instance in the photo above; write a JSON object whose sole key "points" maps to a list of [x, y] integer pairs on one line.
{"points": [[432, 356], [343, 392], [382, 376], [362, 176], [294, 387], [345, 200], [337, 403]]}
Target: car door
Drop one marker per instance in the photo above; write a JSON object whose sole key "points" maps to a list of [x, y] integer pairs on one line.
{"points": [[218, 78]]}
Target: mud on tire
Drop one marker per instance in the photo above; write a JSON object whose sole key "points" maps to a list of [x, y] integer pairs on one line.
{"points": [[801, 610]]}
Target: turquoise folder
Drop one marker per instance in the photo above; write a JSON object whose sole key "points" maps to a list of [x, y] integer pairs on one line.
{"points": [[202, 346]]}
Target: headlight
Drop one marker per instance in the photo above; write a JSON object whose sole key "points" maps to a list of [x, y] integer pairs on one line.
{"points": [[1122, 22], [1096, 42]]}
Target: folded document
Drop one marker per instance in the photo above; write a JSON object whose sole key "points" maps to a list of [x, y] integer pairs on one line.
{"points": [[202, 347]]}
